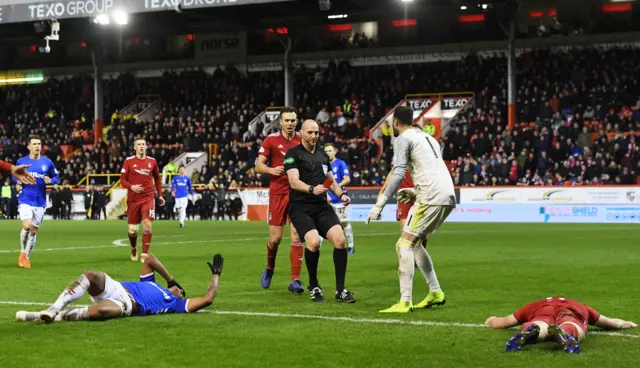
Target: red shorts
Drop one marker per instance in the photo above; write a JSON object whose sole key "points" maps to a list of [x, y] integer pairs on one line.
{"points": [[549, 315], [403, 211], [138, 211], [278, 211]]}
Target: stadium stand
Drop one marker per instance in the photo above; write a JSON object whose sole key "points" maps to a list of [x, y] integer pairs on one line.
{"points": [[578, 111]]}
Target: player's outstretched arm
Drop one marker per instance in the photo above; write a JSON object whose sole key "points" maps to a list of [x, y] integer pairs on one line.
{"points": [[614, 323], [197, 303], [502, 322]]}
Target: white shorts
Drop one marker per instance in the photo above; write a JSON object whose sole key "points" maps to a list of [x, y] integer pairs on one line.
{"points": [[116, 293], [342, 211], [35, 214], [424, 219], [181, 202]]}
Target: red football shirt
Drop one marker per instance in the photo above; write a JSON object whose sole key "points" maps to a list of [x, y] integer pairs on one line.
{"points": [[581, 311], [142, 172], [274, 147]]}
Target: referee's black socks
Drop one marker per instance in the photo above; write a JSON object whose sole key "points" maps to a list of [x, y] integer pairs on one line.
{"points": [[340, 263], [311, 260]]}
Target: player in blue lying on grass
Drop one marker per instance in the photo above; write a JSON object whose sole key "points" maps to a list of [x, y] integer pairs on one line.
{"points": [[112, 299]]}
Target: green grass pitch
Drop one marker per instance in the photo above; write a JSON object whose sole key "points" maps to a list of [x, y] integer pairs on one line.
{"points": [[484, 270]]}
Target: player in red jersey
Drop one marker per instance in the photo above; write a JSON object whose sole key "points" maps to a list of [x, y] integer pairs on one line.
{"points": [[273, 149], [555, 318], [19, 172], [423, 259], [141, 176]]}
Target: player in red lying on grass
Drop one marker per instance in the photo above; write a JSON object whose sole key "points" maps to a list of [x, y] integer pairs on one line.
{"points": [[555, 318]]}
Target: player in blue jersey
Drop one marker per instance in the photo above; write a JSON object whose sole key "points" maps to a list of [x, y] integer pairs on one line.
{"points": [[340, 172], [112, 299], [32, 199], [181, 189]]}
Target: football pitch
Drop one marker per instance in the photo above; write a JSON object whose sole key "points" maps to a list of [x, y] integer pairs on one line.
{"points": [[484, 270]]}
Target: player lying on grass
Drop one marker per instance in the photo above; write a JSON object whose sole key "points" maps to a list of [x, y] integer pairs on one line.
{"points": [[555, 318], [112, 299]]}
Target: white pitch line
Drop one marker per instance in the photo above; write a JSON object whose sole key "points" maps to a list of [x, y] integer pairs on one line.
{"points": [[165, 243], [343, 319]]}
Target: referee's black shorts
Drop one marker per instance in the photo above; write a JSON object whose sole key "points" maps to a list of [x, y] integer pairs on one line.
{"points": [[305, 217]]}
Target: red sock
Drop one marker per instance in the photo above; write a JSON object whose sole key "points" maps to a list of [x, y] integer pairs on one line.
{"points": [[133, 240], [272, 252], [571, 329], [146, 242], [295, 255]]}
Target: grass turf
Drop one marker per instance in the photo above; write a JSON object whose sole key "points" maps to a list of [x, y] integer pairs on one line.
{"points": [[484, 270]]}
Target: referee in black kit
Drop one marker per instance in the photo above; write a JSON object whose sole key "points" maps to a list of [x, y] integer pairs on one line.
{"points": [[308, 168]]}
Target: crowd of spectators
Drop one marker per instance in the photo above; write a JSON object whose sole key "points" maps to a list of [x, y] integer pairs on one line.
{"points": [[577, 113]]}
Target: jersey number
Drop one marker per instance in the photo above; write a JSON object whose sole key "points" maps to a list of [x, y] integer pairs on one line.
{"points": [[431, 145], [152, 214]]}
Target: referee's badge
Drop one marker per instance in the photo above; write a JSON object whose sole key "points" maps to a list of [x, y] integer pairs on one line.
{"points": [[325, 169]]}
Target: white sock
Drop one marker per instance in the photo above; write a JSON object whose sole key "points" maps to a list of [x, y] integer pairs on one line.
{"points": [[23, 240], [423, 260], [71, 293], [76, 314], [348, 230], [31, 243], [183, 215], [405, 272]]}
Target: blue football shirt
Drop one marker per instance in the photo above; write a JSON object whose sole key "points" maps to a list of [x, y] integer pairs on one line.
{"points": [[35, 195], [181, 185], [153, 298], [340, 171]]}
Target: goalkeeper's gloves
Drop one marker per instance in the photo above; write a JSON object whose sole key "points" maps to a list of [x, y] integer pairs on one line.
{"points": [[374, 214], [407, 195], [376, 211], [216, 267]]}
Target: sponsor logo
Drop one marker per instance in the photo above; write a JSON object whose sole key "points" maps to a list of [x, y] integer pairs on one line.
{"points": [[552, 195], [143, 172], [37, 175], [280, 146], [496, 196], [549, 212]]}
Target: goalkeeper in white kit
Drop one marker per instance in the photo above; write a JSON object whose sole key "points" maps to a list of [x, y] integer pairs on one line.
{"points": [[434, 197]]}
